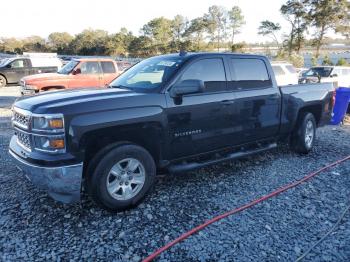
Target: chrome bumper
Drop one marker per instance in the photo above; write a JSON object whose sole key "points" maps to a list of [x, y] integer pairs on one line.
{"points": [[62, 183]]}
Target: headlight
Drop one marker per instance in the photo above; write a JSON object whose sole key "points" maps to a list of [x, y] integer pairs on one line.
{"points": [[30, 87], [50, 123], [50, 143]]}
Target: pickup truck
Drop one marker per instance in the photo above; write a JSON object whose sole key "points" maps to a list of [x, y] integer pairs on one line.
{"points": [[175, 112], [13, 69], [83, 72]]}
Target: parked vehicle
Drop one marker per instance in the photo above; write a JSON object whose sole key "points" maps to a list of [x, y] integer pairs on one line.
{"points": [[327, 74], [84, 72], [175, 112], [285, 73], [13, 69]]}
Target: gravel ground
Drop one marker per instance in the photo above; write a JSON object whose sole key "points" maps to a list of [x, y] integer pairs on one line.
{"points": [[34, 227]]}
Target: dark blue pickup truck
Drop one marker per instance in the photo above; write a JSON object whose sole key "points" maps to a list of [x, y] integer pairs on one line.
{"points": [[173, 112]]}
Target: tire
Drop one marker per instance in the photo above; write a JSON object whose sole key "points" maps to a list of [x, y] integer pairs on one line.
{"points": [[122, 177], [304, 135], [3, 81]]}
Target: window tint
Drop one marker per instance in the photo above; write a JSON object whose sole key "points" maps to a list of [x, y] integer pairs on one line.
{"points": [[90, 68], [291, 69], [17, 63], [249, 73], [278, 70], [211, 71], [108, 67]]}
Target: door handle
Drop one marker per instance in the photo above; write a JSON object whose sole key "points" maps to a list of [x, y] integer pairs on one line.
{"points": [[227, 102]]}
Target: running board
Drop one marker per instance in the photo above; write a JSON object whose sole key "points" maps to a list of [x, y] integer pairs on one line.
{"points": [[176, 168]]}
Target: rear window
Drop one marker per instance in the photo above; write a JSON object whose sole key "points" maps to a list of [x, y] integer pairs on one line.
{"points": [[278, 70], [291, 69], [249, 73], [108, 67]]}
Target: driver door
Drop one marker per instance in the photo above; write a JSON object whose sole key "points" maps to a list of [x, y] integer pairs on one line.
{"points": [[88, 74], [200, 122]]}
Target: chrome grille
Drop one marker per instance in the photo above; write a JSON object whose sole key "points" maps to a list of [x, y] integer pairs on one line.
{"points": [[21, 119], [23, 139]]}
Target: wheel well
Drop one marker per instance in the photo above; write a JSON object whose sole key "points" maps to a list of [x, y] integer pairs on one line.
{"points": [[148, 136], [4, 77], [52, 87], [316, 110]]}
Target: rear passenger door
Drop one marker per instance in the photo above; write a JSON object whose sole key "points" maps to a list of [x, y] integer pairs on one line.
{"points": [[90, 75], [109, 71], [201, 122], [256, 113]]}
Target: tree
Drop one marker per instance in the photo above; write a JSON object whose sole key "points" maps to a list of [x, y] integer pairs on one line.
{"points": [[90, 42], [117, 44], [327, 60], [195, 32], [34, 44], [325, 15], [178, 27], [342, 62], [236, 21], [215, 23], [295, 13], [141, 47], [60, 42], [270, 29], [159, 31], [11, 45]]}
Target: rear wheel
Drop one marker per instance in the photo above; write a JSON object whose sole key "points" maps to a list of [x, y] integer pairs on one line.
{"points": [[3, 81], [303, 137], [122, 177]]}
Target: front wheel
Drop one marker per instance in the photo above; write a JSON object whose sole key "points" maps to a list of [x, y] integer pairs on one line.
{"points": [[303, 137], [3, 81], [122, 177]]}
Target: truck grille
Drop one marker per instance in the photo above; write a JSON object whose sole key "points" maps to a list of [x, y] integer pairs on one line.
{"points": [[21, 119], [23, 139]]}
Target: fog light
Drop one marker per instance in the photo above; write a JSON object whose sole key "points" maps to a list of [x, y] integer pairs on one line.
{"points": [[57, 143]]}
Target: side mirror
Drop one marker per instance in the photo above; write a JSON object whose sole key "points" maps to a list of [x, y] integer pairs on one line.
{"points": [[8, 66], [334, 75], [187, 87], [77, 71]]}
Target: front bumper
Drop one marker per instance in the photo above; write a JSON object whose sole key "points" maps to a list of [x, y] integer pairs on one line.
{"points": [[63, 183]]}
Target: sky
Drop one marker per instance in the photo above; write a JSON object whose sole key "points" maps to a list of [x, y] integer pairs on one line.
{"points": [[41, 17]]}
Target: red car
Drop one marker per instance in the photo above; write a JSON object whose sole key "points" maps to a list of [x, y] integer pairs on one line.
{"points": [[85, 72]]}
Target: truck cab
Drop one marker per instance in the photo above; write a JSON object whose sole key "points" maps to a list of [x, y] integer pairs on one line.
{"points": [[87, 73]]}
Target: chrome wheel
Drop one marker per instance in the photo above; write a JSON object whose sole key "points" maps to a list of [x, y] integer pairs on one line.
{"points": [[309, 133], [125, 179]]}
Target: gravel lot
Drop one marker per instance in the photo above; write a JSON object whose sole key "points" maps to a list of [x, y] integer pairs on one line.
{"points": [[34, 227]]}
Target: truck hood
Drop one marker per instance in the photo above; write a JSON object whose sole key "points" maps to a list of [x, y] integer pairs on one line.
{"points": [[77, 100], [42, 77]]}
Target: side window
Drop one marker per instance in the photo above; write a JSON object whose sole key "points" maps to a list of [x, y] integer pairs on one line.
{"points": [[108, 67], [19, 63], [90, 68], [249, 73], [278, 70], [211, 71]]}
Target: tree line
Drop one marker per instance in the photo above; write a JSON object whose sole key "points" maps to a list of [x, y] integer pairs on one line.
{"points": [[215, 30]]}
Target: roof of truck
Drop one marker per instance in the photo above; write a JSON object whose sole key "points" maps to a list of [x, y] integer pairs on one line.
{"points": [[92, 59], [197, 54]]}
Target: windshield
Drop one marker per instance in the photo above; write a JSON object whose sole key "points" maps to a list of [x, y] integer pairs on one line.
{"points": [[319, 71], [68, 67], [148, 74], [5, 61]]}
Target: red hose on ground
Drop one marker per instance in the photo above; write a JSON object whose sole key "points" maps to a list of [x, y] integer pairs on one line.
{"points": [[241, 208]]}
